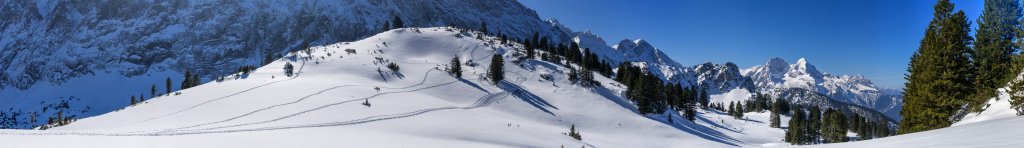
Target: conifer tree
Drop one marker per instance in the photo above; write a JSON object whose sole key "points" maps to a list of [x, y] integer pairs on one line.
{"points": [[152, 90], [775, 120], [994, 47], [455, 68], [739, 110], [940, 72], [496, 72], [288, 69], [795, 134], [134, 101], [397, 22], [1017, 96], [168, 84], [186, 83]]}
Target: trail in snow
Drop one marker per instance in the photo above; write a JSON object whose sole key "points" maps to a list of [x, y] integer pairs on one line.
{"points": [[484, 101], [424, 80], [297, 74]]}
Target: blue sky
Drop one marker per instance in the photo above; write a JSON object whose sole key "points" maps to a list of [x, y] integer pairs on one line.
{"points": [[874, 38]]}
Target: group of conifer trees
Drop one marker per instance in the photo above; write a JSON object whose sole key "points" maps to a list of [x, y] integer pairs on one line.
{"points": [[814, 126], [952, 72], [652, 95]]}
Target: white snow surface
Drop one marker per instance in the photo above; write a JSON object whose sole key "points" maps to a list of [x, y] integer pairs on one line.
{"points": [[1004, 132], [418, 106]]}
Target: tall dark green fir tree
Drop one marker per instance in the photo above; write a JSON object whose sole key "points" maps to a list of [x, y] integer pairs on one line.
{"points": [[994, 47], [940, 72], [496, 71]]}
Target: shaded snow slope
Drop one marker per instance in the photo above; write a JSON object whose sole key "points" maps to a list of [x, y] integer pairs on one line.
{"points": [[1003, 132], [419, 104], [96, 54]]}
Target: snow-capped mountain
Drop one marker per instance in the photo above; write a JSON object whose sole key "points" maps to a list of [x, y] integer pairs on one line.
{"points": [[777, 75], [717, 78], [94, 55]]}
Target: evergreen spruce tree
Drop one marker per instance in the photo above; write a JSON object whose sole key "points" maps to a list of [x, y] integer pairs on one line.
{"points": [[455, 68], [703, 98], [397, 22], [1017, 96], [288, 69], [739, 110], [168, 84], [732, 109], [994, 47], [940, 72], [795, 133], [152, 91], [134, 101], [775, 120], [496, 72], [186, 83], [814, 128]]}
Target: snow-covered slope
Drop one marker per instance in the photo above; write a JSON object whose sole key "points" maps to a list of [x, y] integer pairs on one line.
{"points": [[419, 104], [95, 55], [1004, 132], [777, 75], [996, 108]]}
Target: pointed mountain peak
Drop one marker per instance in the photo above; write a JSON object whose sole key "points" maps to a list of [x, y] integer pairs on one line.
{"points": [[801, 62], [777, 63], [803, 67]]}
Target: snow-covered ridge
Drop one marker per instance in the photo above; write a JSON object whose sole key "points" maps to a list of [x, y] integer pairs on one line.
{"points": [[97, 54], [419, 104]]}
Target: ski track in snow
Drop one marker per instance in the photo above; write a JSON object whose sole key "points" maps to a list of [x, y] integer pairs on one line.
{"points": [[297, 74], [423, 81], [483, 101]]}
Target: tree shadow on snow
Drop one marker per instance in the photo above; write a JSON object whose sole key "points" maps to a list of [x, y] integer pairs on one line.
{"points": [[700, 131], [477, 86], [527, 97]]}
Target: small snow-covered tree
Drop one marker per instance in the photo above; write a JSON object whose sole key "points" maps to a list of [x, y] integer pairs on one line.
{"points": [[288, 69], [394, 67], [455, 68]]}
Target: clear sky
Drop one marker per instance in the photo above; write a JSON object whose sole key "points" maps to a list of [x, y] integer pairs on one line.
{"points": [[874, 38]]}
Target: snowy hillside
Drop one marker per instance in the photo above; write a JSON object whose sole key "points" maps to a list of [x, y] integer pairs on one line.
{"points": [[419, 104], [85, 58], [776, 76], [1004, 132]]}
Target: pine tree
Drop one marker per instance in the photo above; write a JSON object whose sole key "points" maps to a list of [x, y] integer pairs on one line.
{"points": [[168, 84], [814, 128], [795, 134], [455, 68], [496, 72], [288, 69], [186, 83], [142, 97], [940, 72], [775, 119], [994, 47], [732, 109], [1017, 96], [268, 59], [134, 101], [152, 90], [483, 27], [739, 110], [397, 22], [704, 98]]}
